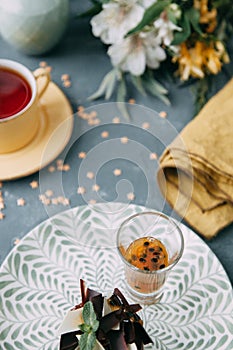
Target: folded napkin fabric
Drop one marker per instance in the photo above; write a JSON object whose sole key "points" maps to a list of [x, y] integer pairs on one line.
{"points": [[196, 169]]}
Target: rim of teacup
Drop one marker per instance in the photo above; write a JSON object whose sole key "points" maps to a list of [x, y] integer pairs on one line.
{"points": [[19, 68]]}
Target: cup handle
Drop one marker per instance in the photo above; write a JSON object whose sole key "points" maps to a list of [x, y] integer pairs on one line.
{"points": [[43, 79]]}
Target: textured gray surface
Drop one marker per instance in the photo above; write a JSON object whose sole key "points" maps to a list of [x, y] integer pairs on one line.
{"points": [[84, 58]]}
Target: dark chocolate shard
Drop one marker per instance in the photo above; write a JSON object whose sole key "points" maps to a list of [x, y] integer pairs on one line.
{"points": [[142, 334], [98, 303], [69, 341], [129, 331], [117, 340], [111, 320]]}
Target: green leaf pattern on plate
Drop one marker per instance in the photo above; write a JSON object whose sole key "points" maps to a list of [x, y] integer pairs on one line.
{"points": [[39, 282]]}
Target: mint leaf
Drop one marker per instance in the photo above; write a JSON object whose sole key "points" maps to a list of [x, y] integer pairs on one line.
{"points": [[87, 341], [89, 315]]}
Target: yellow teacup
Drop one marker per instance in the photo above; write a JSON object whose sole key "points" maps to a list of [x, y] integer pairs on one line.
{"points": [[19, 104]]}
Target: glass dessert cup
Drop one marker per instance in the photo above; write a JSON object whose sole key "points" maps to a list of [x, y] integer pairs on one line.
{"points": [[150, 244]]}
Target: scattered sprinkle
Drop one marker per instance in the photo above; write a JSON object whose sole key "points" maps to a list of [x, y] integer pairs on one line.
{"points": [[132, 101], [104, 134], [49, 193], [163, 114], [146, 125], [51, 169], [67, 83], [153, 156], [95, 121], [2, 215], [90, 175], [43, 64], [82, 155], [91, 117], [16, 241], [117, 172], [66, 167], [124, 139], [92, 201], [34, 184], [65, 77], [116, 120], [95, 187], [81, 190], [81, 108], [54, 201], [21, 202], [59, 162], [65, 201], [93, 114], [44, 200], [131, 196]]}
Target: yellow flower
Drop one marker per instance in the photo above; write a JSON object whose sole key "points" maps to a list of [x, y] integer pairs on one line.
{"points": [[200, 59], [207, 16]]}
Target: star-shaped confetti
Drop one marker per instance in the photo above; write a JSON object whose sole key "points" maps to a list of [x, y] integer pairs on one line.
{"points": [[163, 114], [104, 134], [153, 156], [21, 202], [90, 175], [81, 190], [82, 155], [124, 139], [95, 187], [49, 193], [116, 120], [117, 172], [34, 184], [145, 125], [131, 196]]}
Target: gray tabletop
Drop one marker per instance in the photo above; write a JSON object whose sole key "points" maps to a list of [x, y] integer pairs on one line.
{"points": [[84, 59]]}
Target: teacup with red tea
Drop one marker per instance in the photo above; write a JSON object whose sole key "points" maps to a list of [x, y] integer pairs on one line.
{"points": [[19, 104]]}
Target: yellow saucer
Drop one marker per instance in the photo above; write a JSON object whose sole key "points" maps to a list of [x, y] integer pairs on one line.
{"points": [[55, 130]]}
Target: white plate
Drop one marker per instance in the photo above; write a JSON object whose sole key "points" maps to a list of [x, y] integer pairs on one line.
{"points": [[39, 282]]}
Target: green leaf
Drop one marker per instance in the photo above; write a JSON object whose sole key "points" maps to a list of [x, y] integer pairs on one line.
{"points": [[121, 97], [87, 341], [137, 82], [89, 315], [150, 15], [106, 86], [179, 37], [155, 88], [193, 15]]}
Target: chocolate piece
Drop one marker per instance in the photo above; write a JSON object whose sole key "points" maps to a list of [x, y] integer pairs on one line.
{"points": [[69, 341], [124, 317]]}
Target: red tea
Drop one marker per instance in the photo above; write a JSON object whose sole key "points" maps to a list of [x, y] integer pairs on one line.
{"points": [[15, 92]]}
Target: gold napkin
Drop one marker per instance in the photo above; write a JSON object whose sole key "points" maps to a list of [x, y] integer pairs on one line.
{"points": [[196, 169]]}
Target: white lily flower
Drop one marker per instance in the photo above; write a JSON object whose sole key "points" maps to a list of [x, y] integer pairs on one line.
{"points": [[166, 29], [136, 52], [116, 19], [147, 3]]}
